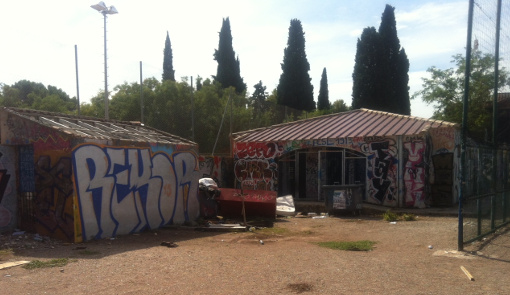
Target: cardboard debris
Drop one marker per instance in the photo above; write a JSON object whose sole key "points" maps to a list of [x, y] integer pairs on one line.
{"points": [[12, 264]]}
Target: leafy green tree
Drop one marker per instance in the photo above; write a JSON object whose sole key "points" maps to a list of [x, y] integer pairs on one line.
{"points": [[258, 100], [323, 99], [125, 104], [27, 94], [295, 89], [339, 106], [380, 76], [168, 67], [445, 91], [228, 71]]}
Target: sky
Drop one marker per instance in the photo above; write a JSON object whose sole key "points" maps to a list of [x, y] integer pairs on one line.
{"points": [[39, 39]]}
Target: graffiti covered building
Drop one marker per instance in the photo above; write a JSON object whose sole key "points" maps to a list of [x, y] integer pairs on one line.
{"points": [[81, 178], [400, 161]]}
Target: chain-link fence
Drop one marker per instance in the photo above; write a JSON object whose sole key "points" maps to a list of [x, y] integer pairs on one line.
{"points": [[485, 193]]}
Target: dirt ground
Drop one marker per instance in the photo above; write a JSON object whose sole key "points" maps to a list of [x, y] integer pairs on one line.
{"points": [[287, 261]]}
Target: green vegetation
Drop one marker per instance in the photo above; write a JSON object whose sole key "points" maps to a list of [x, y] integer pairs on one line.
{"points": [[349, 246], [392, 216], [380, 76], [445, 91], [295, 89], [58, 262]]}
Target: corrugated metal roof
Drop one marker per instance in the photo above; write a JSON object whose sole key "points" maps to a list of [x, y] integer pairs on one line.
{"points": [[356, 123], [95, 128]]}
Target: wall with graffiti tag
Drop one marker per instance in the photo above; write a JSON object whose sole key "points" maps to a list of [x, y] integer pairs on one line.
{"points": [[255, 167], [8, 193], [122, 190], [382, 170], [415, 172]]}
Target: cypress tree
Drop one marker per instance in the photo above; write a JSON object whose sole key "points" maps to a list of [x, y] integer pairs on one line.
{"points": [[367, 75], [295, 89], [228, 72], [168, 68], [380, 77], [395, 64], [323, 99]]}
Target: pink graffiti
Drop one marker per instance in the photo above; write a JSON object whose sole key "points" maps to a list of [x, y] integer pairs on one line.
{"points": [[414, 174]]}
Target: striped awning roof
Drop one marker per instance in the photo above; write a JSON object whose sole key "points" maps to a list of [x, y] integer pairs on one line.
{"points": [[356, 123]]}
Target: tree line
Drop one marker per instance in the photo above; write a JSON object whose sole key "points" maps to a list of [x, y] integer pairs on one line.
{"points": [[380, 82]]}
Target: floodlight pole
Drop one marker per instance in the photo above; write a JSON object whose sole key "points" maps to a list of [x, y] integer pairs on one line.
{"points": [[105, 72], [101, 7]]}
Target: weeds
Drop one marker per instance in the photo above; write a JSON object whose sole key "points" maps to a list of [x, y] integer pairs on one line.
{"points": [[349, 246], [392, 216]]}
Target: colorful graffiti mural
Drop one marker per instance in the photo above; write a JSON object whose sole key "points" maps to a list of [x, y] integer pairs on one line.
{"points": [[126, 190], [255, 167], [7, 188], [414, 174], [381, 171]]}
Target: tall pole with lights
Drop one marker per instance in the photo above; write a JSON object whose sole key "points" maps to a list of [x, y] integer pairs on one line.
{"points": [[104, 10]]}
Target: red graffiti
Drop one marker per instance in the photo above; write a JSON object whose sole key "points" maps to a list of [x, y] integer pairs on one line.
{"points": [[257, 150]]}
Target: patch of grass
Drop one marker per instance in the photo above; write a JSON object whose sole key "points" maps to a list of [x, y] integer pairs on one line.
{"points": [[300, 287], [59, 262], [349, 246]]}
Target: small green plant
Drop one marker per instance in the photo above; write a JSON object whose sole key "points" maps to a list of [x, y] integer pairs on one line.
{"points": [[408, 217], [59, 262], [390, 216], [363, 245]]}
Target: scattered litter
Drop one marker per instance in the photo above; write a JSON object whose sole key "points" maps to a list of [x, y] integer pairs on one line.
{"points": [[18, 233], [431, 247], [311, 214], [470, 277], [169, 244], [111, 239], [319, 217], [261, 242], [7, 276], [393, 222], [37, 237]]}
